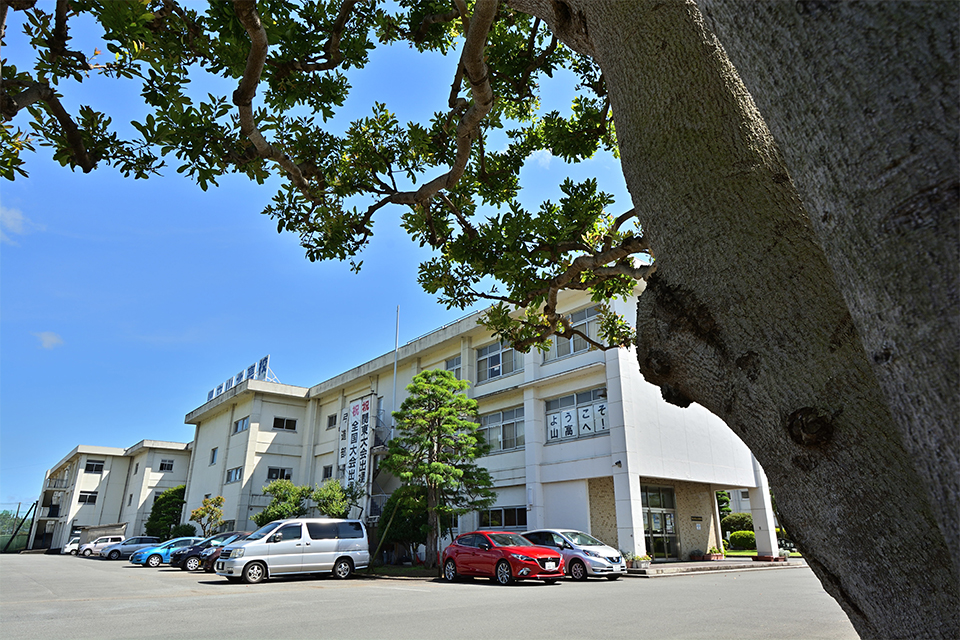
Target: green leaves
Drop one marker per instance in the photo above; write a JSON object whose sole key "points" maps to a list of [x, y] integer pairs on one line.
{"points": [[188, 60]]}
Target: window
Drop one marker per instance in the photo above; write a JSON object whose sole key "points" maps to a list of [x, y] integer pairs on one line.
{"points": [[328, 472], [130, 500], [497, 359], [166, 465], [578, 415], [287, 424], [744, 495], [136, 468], [278, 473], [503, 430], [332, 421], [213, 455], [453, 366], [233, 475], [94, 466], [157, 494], [587, 321], [87, 497], [350, 530], [504, 518], [206, 496], [289, 532], [241, 425], [322, 530]]}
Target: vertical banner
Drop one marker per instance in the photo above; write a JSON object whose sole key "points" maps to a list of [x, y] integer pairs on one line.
{"points": [[355, 440]]}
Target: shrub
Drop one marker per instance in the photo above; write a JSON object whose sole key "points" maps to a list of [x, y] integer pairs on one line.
{"points": [[183, 530], [737, 522], [743, 540]]}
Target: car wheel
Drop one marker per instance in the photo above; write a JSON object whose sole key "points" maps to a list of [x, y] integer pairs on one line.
{"points": [[73, 552], [254, 572], [612, 578], [578, 571], [87, 553], [450, 571], [154, 561], [342, 569], [192, 563], [503, 574], [114, 555]]}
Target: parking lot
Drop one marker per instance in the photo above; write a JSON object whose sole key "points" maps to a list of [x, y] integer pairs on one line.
{"points": [[67, 597]]}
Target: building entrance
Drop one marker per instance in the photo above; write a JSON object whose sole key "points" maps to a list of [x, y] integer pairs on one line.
{"points": [[660, 522]]}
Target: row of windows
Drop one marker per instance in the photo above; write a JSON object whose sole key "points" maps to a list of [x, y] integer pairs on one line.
{"points": [[285, 424], [577, 415], [96, 466], [504, 518]]}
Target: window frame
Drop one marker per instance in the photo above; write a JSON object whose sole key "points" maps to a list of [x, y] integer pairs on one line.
{"points": [[487, 522], [213, 455], [233, 475], [166, 462], [282, 473], [241, 425], [571, 407], [84, 497], [327, 472], [455, 366], [331, 421], [586, 320], [487, 354], [284, 424], [496, 421], [94, 466]]}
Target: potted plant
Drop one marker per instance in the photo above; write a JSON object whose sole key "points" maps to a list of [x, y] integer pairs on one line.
{"points": [[696, 555], [713, 554], [784, 555], [641, 562], [628, 557]]}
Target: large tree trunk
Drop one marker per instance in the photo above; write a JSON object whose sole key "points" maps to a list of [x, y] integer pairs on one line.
{"points": [[828, 346]]}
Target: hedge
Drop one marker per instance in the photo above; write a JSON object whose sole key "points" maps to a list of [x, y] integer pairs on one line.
{"points": [[743, 540]]}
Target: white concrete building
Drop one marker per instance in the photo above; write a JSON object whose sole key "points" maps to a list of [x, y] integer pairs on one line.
{"points": [[579, 439], [106, 487]]}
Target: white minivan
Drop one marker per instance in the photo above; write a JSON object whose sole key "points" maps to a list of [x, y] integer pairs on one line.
{"points": [[297, 545]]}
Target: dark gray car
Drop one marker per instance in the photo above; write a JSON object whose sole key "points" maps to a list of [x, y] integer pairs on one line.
{"points": [[123, 550]]}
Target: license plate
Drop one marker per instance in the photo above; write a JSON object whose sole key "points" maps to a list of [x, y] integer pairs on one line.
{"points": [[219, 566], [549, 565]]}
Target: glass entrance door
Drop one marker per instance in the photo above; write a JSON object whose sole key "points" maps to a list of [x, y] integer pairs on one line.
{"points": [[660, 523]]}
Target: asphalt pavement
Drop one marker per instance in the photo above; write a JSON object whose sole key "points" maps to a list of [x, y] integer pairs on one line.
{"points": [[66, 597]]}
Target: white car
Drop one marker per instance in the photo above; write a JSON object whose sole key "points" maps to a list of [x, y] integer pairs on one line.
{"points": [[583, 555], [72, 546], [93, 548]]}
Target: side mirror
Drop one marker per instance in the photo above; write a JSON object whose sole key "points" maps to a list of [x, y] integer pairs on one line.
{"points": [[277, 537], [485, 546]]}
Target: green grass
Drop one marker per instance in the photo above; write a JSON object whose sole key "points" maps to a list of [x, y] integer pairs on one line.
{"points": [[753, 552]]}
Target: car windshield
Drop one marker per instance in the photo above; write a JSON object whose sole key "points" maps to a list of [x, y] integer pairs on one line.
{"points": [[509, 540], [582, 539], [263, 531]]}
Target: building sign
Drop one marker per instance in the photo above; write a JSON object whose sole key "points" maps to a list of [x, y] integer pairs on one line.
{"points": [[578, 415], [354, 455], [257, 371]]}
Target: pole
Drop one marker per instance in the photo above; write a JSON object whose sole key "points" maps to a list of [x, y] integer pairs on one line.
{"points": [[396, 351]]}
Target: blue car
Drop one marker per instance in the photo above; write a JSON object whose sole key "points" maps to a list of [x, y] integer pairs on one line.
{"points": [[155, 556]]}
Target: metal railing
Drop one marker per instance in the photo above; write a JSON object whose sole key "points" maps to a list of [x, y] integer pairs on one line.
{"points": [[56, 483]]}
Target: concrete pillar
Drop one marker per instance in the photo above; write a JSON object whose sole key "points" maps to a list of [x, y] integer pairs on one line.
{"points": [[535, 435], [624, 449], [762, 511]]}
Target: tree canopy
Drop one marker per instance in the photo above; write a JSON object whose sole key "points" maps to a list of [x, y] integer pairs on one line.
{"points": [[209, 515], [165, 513], [437, 442], [288, 501], [287, 67]]}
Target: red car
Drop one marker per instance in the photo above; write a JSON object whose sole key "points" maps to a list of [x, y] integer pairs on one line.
{"points": [[502, 556]]}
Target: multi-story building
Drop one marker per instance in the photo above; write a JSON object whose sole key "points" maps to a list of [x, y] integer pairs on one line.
{"points": [[94, 488], [579, 440]]}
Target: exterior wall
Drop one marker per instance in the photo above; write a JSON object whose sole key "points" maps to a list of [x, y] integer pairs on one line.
{"points": [[603, 511], [591, 483], [695, 506]]}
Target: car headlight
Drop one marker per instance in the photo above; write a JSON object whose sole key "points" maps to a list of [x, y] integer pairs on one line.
{"points": [[235, 553], [522, 557], [592, 554]]}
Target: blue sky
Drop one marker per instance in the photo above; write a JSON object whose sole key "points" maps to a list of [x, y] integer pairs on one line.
{"points": [[122, 302]]}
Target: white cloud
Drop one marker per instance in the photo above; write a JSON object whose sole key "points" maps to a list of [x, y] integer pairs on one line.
{"points": [[542, 158], [12, 221], [49, 339]]}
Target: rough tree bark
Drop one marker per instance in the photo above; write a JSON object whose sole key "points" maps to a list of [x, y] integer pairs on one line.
{"points": [[807, 298]]}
